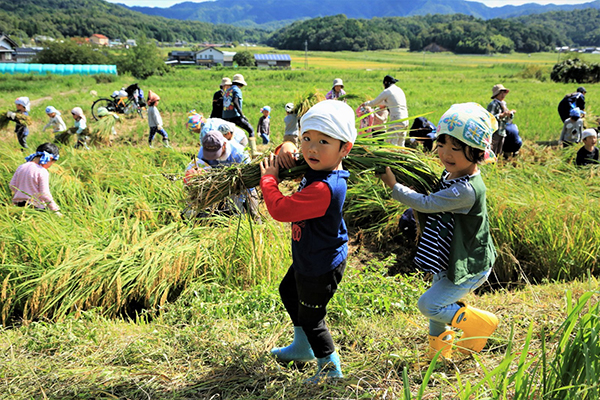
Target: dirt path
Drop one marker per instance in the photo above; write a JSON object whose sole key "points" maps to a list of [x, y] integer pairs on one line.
{"points": [[42, 99]]}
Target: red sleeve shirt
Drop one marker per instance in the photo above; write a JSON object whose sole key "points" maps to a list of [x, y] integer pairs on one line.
{"points": [[312, 202]]}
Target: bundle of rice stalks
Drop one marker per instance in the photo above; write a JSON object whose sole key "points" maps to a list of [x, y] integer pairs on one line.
{"points": [[103, 130], [216, 184], [64, 137], [307, 101], [20, 118]]}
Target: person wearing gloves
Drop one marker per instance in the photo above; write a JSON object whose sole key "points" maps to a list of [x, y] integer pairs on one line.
{"points": [[233, 110], [336, 91], [319, 234], [394, 99], [455, 245], [80, 128], [30, 183], [21, 130], [264, 124], [155, 121], [56, 121], [572, 128]]}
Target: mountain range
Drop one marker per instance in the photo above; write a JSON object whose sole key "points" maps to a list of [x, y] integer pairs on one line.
{"points": [[273, 14]]}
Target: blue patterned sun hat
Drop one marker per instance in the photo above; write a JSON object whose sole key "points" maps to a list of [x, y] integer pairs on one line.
{"points": [[470, 123]]}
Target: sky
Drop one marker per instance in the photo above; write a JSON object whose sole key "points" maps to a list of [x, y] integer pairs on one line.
{"points": [[490, 3]]}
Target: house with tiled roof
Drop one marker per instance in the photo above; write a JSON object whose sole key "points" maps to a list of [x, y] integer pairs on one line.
{"points": [[99, 39], [7, 48]]}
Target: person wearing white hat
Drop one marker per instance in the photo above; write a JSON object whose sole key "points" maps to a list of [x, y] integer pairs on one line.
{"points": [[56, 121], [217, 104], [80, 128], [21, 130], [588, 153], [499, 109], [319, 234], [336, 91], [291, 125], [233, 110]]}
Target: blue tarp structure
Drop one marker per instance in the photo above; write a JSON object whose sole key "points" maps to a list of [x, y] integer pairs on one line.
{"points": [[58, 69]]}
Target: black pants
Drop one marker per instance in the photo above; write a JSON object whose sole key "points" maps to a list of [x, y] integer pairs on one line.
{"points": [[22, 137], [242, 123], [305, 298]]}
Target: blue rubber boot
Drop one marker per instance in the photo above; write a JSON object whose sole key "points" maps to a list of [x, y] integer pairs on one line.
{"points": [[299, 350], [328, 367]]}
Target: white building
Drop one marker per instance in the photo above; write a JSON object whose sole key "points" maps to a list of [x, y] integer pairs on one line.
{"points": [[211, 56]]}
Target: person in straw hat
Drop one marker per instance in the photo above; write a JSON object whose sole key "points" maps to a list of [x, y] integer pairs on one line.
{"points": [[498, 109], [233, 110], [217, 104]]}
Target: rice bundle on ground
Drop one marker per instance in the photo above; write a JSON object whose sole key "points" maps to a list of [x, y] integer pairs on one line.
{"points": [[20, 118], [103, 130]]}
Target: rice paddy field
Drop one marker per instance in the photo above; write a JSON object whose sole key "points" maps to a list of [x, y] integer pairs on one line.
{"points": [[123, 297]]}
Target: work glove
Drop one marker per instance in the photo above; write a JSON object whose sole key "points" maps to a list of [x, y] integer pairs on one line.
{"points": [[11, 114]]}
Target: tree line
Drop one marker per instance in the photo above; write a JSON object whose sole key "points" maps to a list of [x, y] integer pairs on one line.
{"points": [[456, 32]]}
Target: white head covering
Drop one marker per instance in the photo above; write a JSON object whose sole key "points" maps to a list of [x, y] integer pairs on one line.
{"points": [[77, 111], [588, 133], [50, 110], [331, 117], [24, 101]]}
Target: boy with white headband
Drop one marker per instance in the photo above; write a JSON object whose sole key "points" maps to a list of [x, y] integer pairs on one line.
{"points": [[21, 130], [319, 234], [30, 183]]}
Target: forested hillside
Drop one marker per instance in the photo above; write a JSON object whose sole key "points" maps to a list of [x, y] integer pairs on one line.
{"points": [[270, 13], [458, 33], [69, 18]]}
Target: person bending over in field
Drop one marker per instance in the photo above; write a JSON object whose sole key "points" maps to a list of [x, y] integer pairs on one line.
{"points": [[30, 183], [455, 245], [56, 121], [319, 234]]}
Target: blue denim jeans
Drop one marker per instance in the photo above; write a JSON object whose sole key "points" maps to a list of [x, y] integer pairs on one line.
{"points": [[438, 303]]}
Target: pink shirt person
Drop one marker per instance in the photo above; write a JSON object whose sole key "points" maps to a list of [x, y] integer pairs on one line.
{"points": [[30, 183]]}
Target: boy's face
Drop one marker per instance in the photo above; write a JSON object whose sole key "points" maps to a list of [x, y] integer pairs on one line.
{"points": [[52, 115], [322, 152], [590, 141], [265, 113], [21, 108]]}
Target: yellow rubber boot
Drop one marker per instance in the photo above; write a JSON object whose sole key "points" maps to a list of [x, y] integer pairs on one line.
{"points": [[442, 342], [253, 151], [477, 326]]}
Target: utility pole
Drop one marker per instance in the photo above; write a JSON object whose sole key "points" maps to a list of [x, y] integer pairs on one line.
{"points": [[306, 54]]}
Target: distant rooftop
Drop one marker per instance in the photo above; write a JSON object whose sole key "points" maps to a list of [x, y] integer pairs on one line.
{"points": [[272, 57]]}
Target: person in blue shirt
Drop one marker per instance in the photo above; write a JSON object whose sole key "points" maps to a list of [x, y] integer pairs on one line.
{"points": [[233, 109]]}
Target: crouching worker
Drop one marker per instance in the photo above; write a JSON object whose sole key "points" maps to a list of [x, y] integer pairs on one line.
{"points": [[319, 234], [455, 245], [217, 151], [30, 183]]}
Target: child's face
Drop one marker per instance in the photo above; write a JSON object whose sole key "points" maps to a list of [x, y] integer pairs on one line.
{"points": [[454, 160], [21, 108], [337, 88], [590, 141], [52, 115], [322, 152], [49, 164], [76, 117], [265, 113]]}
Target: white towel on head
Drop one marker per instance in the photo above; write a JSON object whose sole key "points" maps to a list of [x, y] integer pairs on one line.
{"points": [[24, 101], [333, 118]]}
